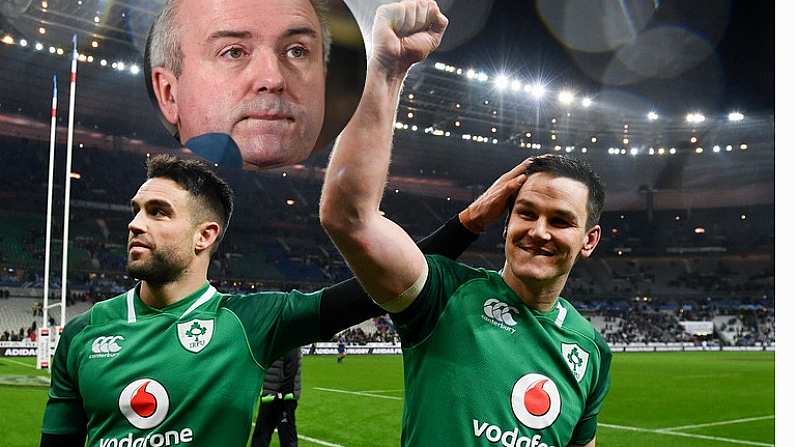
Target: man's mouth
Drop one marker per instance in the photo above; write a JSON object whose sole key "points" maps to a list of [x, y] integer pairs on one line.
{"points": [[136, 244], [537, 251], [266, 116]]}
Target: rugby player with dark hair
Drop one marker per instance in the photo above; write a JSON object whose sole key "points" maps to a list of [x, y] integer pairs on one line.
{"points": [[490, 358]]}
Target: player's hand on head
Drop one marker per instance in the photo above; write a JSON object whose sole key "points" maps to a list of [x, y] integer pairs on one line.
{"points": [[488, 208], [405, 33]]}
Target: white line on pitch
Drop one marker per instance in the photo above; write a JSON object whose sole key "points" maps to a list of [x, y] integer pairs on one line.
{"points": [[685, 435], [319, 441], [358, 393], [712, 424], [20, 363], [381, 391]]}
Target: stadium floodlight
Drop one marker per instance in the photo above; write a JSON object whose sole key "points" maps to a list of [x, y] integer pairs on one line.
{"points": [[516, 85], [651, 151], [23, 43], [440, 66], [501, 82], [566, 97], [743, 146], [625, 141], [103, 62], [695, 118], [38, 46], [8, 40], [538, 90], [693, 139], [90, 59], [716, 148], [593, 139], [471, 74], [42, 30], [736, 116], [59, 51], [652, 116], [569, 148], [729, 148], [483, 77], [699, 150], [584, 150], [557, 147], [623, 151], [661, 151], [633, 151], [672, 150], [586, 102], [52, 50]]}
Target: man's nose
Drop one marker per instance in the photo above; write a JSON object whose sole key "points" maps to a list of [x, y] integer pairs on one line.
{"points": [[540, 230], [136, 225], [269, 74]]}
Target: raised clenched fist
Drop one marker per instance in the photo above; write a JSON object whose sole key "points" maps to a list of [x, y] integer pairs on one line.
{"points": [[405, 33]]}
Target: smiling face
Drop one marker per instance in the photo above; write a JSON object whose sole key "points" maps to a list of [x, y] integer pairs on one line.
{"points": [[160, 244], [547, 230], [253, 69]]}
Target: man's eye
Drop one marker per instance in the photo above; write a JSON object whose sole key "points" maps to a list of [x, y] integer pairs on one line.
{"points": [[297, 52], [233, 53]]}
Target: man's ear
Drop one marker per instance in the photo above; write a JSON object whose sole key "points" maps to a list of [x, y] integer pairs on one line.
{"points": [[592, 238], [164, 84], [206, 235]]}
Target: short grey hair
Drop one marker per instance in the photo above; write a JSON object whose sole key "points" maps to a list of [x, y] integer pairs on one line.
{"points": [[164, 43]]}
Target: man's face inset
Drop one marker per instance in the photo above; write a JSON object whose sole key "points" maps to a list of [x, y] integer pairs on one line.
{"points": [[547, 229], [252, 69]]}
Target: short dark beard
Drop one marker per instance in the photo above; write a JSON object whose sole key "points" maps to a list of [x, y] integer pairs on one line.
{"points": [[163, 268]]}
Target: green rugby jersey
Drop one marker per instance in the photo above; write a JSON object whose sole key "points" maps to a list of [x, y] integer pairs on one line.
{"points": [[188, 374], [481, 368]]}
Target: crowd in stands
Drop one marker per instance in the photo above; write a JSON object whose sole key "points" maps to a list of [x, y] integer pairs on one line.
{"points": [[276, 243]]}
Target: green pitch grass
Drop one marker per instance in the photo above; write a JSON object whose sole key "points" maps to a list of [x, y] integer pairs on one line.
{"points": [[656, 400]]}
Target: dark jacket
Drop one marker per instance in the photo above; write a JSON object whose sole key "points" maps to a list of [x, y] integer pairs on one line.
{"points": [[284, 376]]}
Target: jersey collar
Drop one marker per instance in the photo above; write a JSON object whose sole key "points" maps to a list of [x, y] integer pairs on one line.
{"points": [[183, 307], [557, 312]]}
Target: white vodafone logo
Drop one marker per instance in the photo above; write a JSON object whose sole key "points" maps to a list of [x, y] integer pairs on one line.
{"points": [[144, 403], [535, 401]]}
